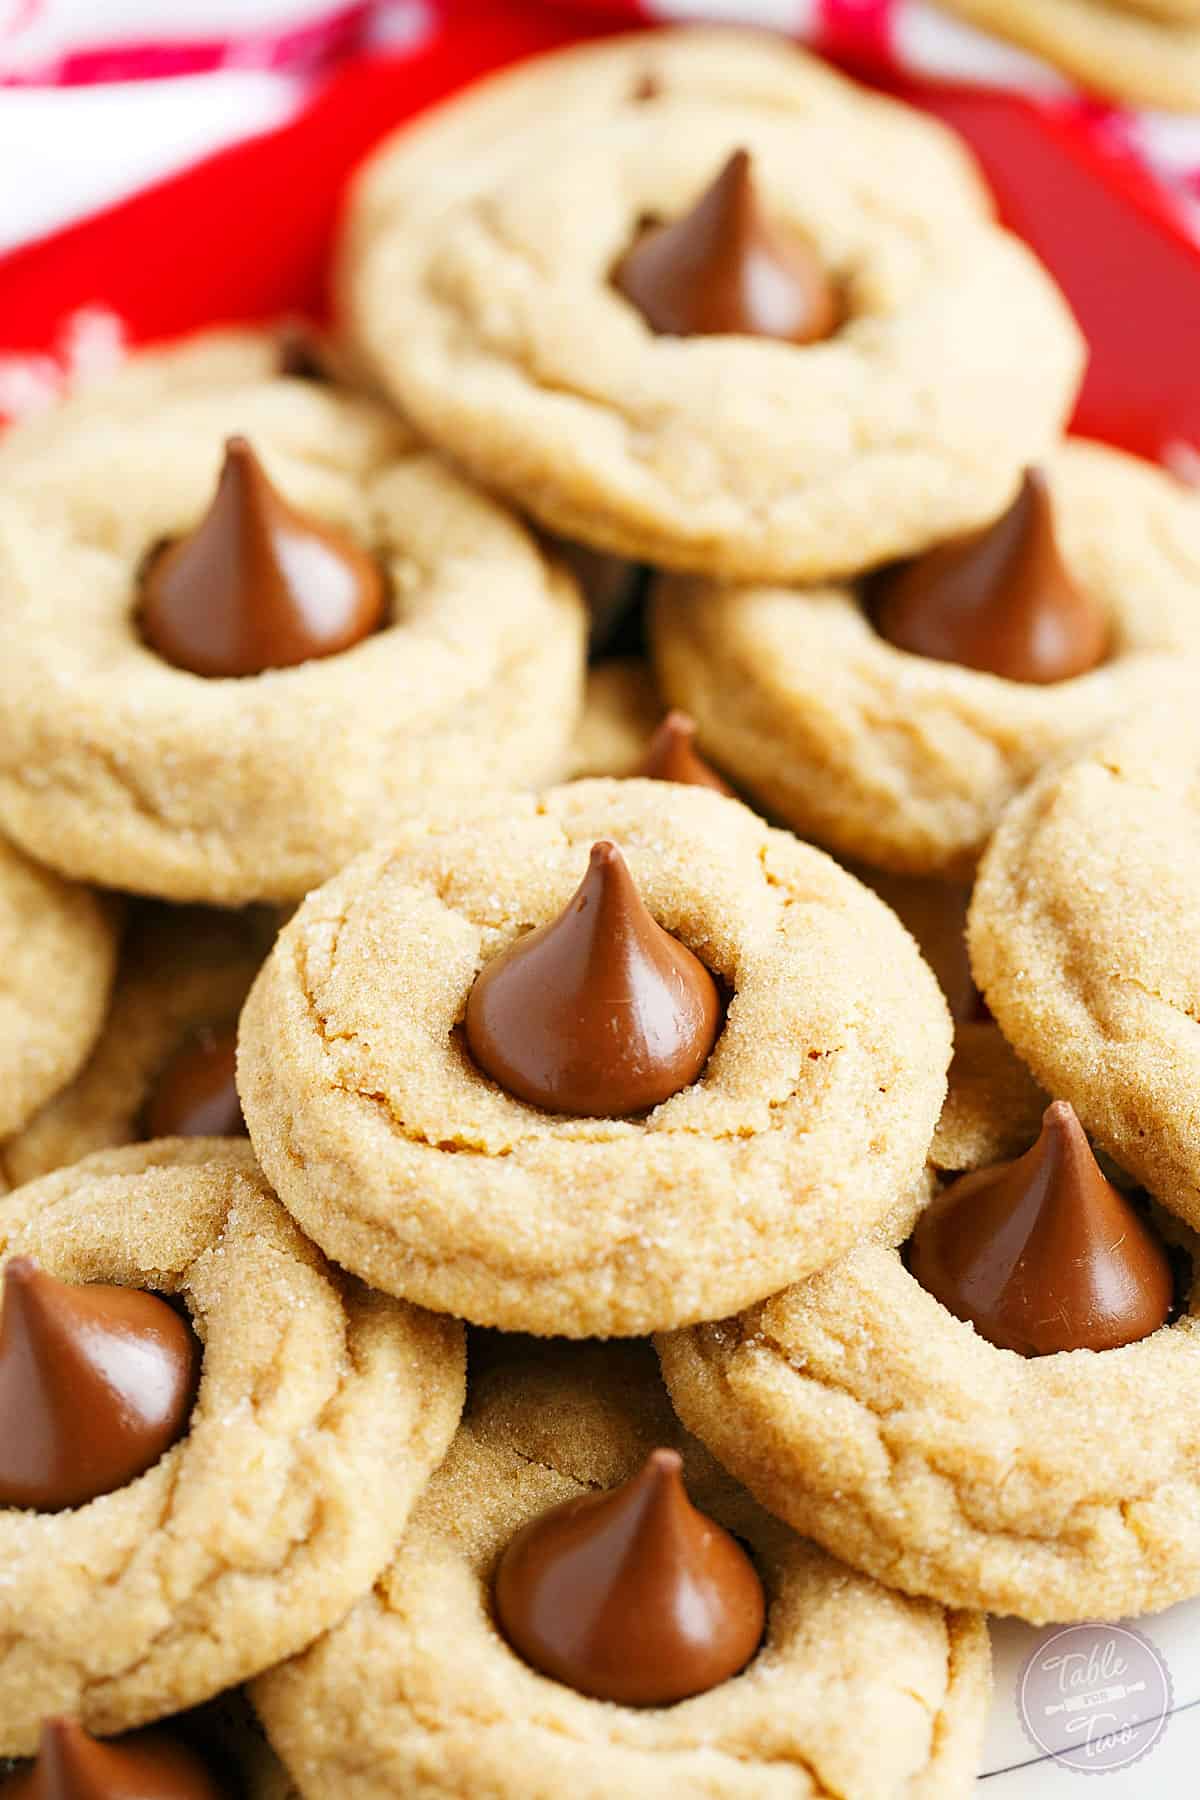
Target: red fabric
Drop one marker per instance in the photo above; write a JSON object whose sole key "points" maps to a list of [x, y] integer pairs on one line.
{"points": [[307, 47], [247, 234]]}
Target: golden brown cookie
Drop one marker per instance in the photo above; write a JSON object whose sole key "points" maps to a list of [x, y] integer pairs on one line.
{"points": [[866, 1414], [322, 1408], [1142, 51], [811, 1119], [855, 1690], [58, 953], [183, 976], [905, 761], [1081, 932], [504, 334], [146, 776]]}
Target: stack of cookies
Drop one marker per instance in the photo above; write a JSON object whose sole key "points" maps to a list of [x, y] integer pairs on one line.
{"points": [[376, 994]]}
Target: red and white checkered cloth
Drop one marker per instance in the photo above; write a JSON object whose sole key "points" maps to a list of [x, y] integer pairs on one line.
{"points": [[177, 165]]}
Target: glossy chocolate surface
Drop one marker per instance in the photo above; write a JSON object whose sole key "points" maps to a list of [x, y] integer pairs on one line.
{"points": [[1045, 1254], [257, 586], [96, 1383], [142, 1765], [1001, 600], [601, 1012], [724, 269], [632, 1595]]}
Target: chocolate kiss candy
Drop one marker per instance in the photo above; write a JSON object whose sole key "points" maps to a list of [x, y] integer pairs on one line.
{"points": [[95, 1384], [1044, 1254], [256, 586], [632, 1595], [601, 1012], [145, 1765], [671, 756], [1000, 600], [196, 1094], [723, 269]]}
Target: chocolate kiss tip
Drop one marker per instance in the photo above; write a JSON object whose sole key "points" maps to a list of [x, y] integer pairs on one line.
{"points": [[1044, 1254], [631, 1595], [257, 585], [72, 1765], [1000, 600], [96, 1383], [671, 755], [600, 1013], [722, 269]]}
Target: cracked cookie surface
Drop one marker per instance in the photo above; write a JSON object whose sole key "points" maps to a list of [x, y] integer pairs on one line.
{"points": [[860, 1410], [118, 766], [1144, 51], [855, 1690], [58, 955], [1081, 930], [810, 1120], [321, 1411], [183, 970], [476, 284], [908, 762]]}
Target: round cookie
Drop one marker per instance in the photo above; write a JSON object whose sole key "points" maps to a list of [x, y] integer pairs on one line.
{"points": [[621, 710], [395, 1153], [905, 761], [322, 1409], [184, 972], [120, 765], [1080, 932], [58, 954], [476, 285], [855, 1690], [1146, 52], [864, 1413]]}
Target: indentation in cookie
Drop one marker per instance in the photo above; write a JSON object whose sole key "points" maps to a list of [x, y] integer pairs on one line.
{"points": [[724, 268], [1001, 599], [257, 585], [632, 1595], [96, 1384]]}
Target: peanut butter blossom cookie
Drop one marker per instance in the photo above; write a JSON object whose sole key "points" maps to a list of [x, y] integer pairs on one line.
{"points": [[282, 628], [163, 1065], [519, 1068], [698, 300], [932, 1412], [585, 1604], [58, 955], [894, 721], [1144, 51], [1082, 931], [209, 1440]]}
